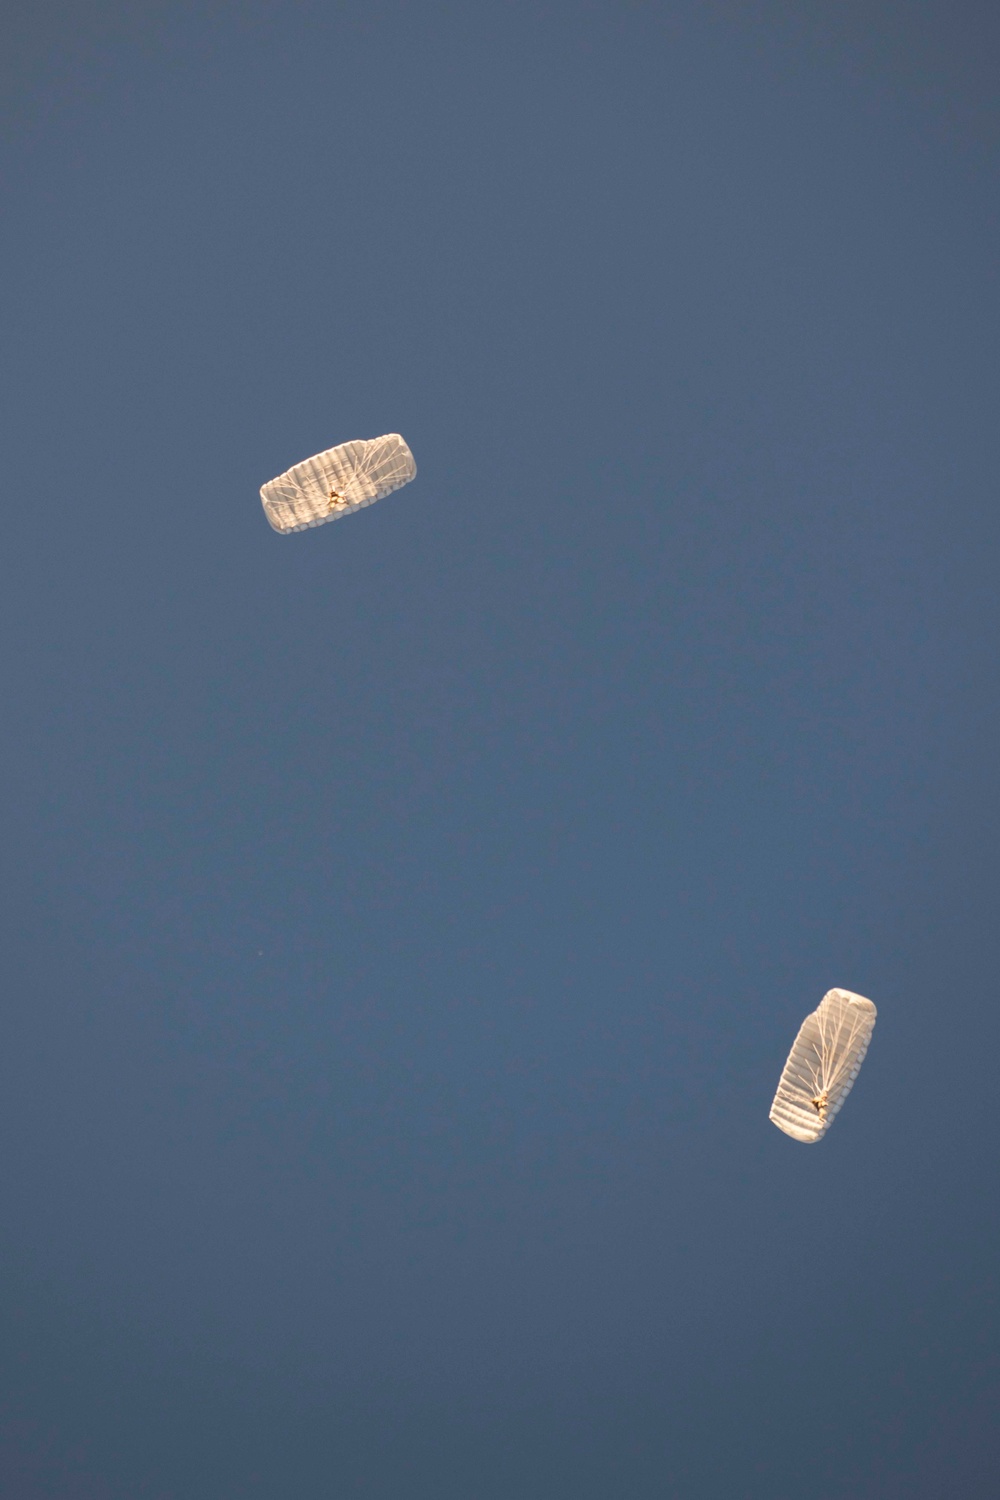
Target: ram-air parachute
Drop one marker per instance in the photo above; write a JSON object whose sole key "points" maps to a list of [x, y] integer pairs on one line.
{"points": [[337, 482], [823, 1065]]}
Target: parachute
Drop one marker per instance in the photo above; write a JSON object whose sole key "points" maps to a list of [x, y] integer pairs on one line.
{"points": [[823, 1065], [337, 483]]}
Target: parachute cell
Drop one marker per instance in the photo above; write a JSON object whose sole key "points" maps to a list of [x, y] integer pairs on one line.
{"points": [[823, 1065], [337, 483]]}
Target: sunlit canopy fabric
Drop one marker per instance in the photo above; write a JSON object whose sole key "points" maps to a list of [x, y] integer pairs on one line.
{"points": [[823, 1065], [337, 483]]}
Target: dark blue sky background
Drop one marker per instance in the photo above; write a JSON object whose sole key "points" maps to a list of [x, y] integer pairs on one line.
{"points": [[405, 923]]}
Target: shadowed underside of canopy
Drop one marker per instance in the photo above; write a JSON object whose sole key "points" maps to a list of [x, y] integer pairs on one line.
{"points": [[822, 1065], [337, 483]]}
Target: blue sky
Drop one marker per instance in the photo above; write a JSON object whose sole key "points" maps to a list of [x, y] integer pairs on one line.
{"points": [[405, 923]]}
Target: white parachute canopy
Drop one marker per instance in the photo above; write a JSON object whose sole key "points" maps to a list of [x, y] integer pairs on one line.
{"points": [[337, 482], [823, 1065]]}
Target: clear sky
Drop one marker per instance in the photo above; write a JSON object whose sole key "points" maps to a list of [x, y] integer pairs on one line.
{"points": [[405, 923]]}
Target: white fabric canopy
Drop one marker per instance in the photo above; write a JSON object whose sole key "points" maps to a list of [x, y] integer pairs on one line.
{"points": [[823, 1065], [337, 483]]}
